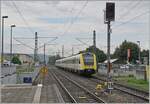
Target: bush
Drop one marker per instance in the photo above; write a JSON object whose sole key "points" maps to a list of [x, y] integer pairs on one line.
{"points": [[131, 75], [16, 60]]}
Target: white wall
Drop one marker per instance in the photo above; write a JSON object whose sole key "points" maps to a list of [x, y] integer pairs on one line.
{"points": [[8, 75]]}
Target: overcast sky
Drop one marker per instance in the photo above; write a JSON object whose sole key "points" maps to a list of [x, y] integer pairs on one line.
{"points": [[69, 20]]}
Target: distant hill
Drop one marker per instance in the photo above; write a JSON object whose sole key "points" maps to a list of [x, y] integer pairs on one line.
{"points": [[41, 57]]}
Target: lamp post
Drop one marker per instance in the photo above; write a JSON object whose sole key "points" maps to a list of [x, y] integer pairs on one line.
{"points": [[139, 52], [11, 42], [2, 53]]}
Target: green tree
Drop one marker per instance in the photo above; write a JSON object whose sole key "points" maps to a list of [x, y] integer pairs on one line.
{"points": [[52, 59], [121, 52], [145, 53], [16, 60], [100, 55]]}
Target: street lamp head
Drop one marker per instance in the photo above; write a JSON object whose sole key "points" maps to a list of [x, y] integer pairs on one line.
{"points": [[4, 16], [138, 42], [13, 25]]}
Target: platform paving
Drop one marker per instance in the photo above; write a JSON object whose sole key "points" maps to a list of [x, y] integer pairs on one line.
{"points": [[51, 94], [46, 92], [17, 94]]}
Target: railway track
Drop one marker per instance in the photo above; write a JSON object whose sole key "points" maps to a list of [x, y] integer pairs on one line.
{"points": [[118, 96], [76, 92], [132, 91], [52, 92]]}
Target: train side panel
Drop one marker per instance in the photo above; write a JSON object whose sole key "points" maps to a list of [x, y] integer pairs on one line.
{"points": [[77, 63]]}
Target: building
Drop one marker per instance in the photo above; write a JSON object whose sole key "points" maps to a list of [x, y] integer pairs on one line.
{"points": [[24, 58]]}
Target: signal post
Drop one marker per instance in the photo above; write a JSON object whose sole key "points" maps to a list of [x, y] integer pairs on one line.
{"points": [[109, 15]]}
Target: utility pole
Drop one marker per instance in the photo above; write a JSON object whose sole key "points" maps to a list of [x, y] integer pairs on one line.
{"points": [[94, 38], [108, 48], [58, 53], [36, 44], [62, 50], [94, 44], [45, 52], [36, 48], [139, 52], [44, 55], [109, 15], [72, 51]]}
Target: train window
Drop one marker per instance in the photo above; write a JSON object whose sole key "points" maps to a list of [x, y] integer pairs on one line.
{"points": [[88, 59]]}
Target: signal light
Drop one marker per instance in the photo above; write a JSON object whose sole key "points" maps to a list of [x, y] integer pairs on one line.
{"points": [[110, 11]]}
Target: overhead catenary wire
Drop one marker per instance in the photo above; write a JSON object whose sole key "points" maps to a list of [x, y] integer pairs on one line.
{"points": [[74, 19], [130, 10], [82, 42], [71, 12], [54, 38], [24, 44], [24, 20], [128, 21], [22, 38]]}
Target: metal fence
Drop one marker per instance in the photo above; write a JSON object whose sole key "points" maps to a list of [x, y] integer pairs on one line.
{"points": [[13, 75], [139, 71], [31, 74]]}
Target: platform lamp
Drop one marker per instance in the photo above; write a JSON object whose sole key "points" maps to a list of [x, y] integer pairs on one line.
{"points": [[2, 53], [139, 52], [13, 25]]}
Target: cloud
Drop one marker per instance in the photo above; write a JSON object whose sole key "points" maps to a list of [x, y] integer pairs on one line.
{"points": [[58, 18]]}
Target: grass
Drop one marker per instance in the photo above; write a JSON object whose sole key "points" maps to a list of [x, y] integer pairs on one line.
{"points": [[133, 82], [21, 69]]}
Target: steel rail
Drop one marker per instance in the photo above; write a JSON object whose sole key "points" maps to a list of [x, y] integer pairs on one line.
{"points": [[139, 96], [64, 88], [129, 88], [85, 89]]}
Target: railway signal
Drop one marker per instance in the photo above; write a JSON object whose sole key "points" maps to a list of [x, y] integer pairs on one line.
{"points": [[109, 15], [110, 11]]}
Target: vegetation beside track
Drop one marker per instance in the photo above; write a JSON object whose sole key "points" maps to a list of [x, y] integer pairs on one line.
{"points": [[21, 69], [131, 81]]}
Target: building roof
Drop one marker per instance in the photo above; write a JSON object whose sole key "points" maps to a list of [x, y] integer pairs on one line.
{"points": [[111, 60], [19, 54]]}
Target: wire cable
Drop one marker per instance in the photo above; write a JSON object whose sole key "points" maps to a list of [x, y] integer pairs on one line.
{"points": [[128, 21], [76, 17], [48, 42], [24, 20], [24, 44], [130, 9]]}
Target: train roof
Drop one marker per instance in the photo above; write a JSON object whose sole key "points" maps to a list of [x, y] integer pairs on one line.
{"points": [[68, 57], [72, 56]]}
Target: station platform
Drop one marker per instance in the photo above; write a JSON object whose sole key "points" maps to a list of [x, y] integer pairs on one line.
{"points": [[26, 93]]}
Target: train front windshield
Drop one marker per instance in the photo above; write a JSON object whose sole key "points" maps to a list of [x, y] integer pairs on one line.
{"points": [[88, 59]]}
